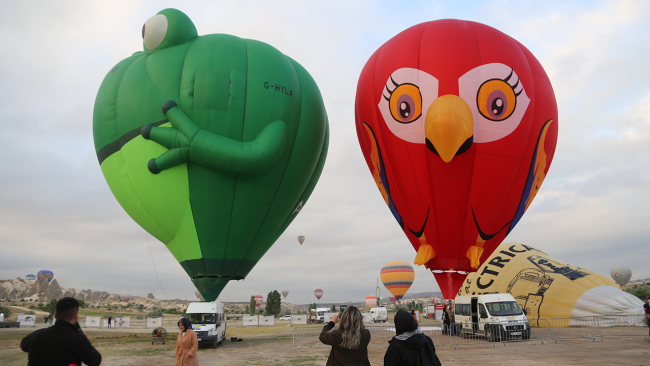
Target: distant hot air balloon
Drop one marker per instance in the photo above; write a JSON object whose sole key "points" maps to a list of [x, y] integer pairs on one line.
{"points": [[621, 274], [45, 273], [125, 296], [30, 277], [259, 299], [318, 293], [301, 239], [397, 277], [285, 293], [458, 125], [392, 299], [212, 144], [371, 301], [548, 288]]}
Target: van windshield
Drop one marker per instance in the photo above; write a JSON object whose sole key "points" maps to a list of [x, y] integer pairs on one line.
{"points": [[199, 318], [503, 308]]}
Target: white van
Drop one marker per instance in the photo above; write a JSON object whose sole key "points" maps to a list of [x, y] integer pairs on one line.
{"points": [[208, 321], [495, 316], [378, 315]]}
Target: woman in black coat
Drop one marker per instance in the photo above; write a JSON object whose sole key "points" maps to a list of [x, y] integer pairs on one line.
{"points": [[410, 346], [349, 339]]}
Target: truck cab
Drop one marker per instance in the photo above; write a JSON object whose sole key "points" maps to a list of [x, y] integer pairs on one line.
{"points": [[378, 315], [208, 321], [495, 316], [320, 314]]}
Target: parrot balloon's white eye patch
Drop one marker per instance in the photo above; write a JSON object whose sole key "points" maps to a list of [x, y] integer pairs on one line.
{"points": [[154, 31], [405, 100], [497, 99]]}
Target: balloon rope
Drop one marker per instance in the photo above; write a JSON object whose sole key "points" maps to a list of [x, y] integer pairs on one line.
{"points": [[154, 267]]}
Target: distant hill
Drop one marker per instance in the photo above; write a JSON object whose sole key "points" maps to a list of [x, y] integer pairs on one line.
{"points": [[421, 294]]}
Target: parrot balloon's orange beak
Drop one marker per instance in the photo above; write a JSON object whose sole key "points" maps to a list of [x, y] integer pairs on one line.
{"points": [[449, 127]]}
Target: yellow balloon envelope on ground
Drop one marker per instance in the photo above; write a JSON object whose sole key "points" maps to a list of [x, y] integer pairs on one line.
{"points": [[548, 288]]}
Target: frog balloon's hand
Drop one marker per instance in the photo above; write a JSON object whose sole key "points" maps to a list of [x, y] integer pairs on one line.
{"points": [[189, 143]]}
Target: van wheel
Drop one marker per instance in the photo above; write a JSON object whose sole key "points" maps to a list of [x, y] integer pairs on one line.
{"points": [[489, 333], [215, 342], [526, 334]]}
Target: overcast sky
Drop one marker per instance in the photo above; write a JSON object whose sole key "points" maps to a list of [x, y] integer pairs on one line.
{"points": [[57, 212]]}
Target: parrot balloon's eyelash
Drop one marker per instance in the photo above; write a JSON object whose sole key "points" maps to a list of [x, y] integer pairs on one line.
{"points": [[390, 92], [512, 71]]}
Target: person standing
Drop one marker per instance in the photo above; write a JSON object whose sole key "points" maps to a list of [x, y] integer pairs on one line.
{"points": [[348, 337], [109, 321], [61, 344], [186, 344], [410, 346], [646, 308]]}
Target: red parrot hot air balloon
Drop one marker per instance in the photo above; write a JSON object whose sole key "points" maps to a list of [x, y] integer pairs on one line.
{"points": [[318, 293], [458, 125]]}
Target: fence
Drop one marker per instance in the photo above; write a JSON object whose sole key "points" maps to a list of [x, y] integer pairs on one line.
{"points": [[592, 327]]}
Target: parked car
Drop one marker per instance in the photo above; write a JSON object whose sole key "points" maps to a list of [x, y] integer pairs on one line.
{"points": [[286, 317]]}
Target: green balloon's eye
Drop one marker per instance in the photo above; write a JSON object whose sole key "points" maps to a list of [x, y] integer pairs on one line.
{"points": [[154, 31]]}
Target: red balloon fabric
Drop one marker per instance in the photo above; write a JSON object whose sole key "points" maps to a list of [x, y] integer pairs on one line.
{"points": [[259, 299], [318, 293], [458, 124]]}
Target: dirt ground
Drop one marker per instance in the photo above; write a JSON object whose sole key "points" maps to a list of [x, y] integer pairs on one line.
{"points": [[274, 346]]}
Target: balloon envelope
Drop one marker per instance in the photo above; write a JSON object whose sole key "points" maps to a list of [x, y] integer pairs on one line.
{"points": [[220, 173], [259, 299], [30, 277], [285, 293], [301, 239], [199, 296], [547, 287], [45, 273], [125, 296], [392, 298], [371, 301], [318, 293], [621, 274], [458, 125], [397, 277]]}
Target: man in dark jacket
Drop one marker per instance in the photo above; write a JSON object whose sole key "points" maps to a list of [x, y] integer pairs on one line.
{"points": [[410, 346], [63, 343]]}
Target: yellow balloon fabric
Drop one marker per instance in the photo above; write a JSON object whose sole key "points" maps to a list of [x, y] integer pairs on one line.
{"points": [[546, 287]]}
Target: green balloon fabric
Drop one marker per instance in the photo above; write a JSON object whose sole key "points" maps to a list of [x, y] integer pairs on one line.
{"points": [[212, 144]]}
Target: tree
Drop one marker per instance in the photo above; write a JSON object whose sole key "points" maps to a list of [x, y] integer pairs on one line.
{"points": [[273, 304], [155, 313], [5, 310], [247, 309], [640, 291], [252, 305], [333, 308], [82, 304], [51, 306], [313, 306]]}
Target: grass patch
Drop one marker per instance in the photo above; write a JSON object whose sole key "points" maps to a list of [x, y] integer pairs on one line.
{"points": [[145, 352], [13, 359], [305, 360]]}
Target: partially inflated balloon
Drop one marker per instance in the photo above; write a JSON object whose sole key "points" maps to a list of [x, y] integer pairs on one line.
{"points": [[318, 293], [458, 125], [548, 288], [212, 144], [285, 293], [371, 301], [621, 274], [397, 277], [301, 239]]}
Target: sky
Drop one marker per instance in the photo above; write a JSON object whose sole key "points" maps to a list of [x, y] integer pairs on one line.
{"points": [[57, 212]]}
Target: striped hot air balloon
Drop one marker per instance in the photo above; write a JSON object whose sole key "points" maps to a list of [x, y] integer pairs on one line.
{"points": [[301, 239], [30, 277], [397, 277], [371, 301], [318, 293], [45, 273]]}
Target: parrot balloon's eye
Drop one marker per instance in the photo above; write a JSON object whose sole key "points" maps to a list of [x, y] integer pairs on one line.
{"points": [[405, 103], [154, 31], [406, 97], [496, 100]]}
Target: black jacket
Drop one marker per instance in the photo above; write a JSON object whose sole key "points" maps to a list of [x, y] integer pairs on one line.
{"points": [[343, 356], [417, 350], [60, 344]]}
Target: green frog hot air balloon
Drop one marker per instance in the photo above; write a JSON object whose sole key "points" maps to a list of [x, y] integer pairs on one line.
{"points": [[212, 144]]}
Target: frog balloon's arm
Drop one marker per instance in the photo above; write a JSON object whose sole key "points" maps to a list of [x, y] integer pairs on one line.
{"points": [[189, 143]]}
